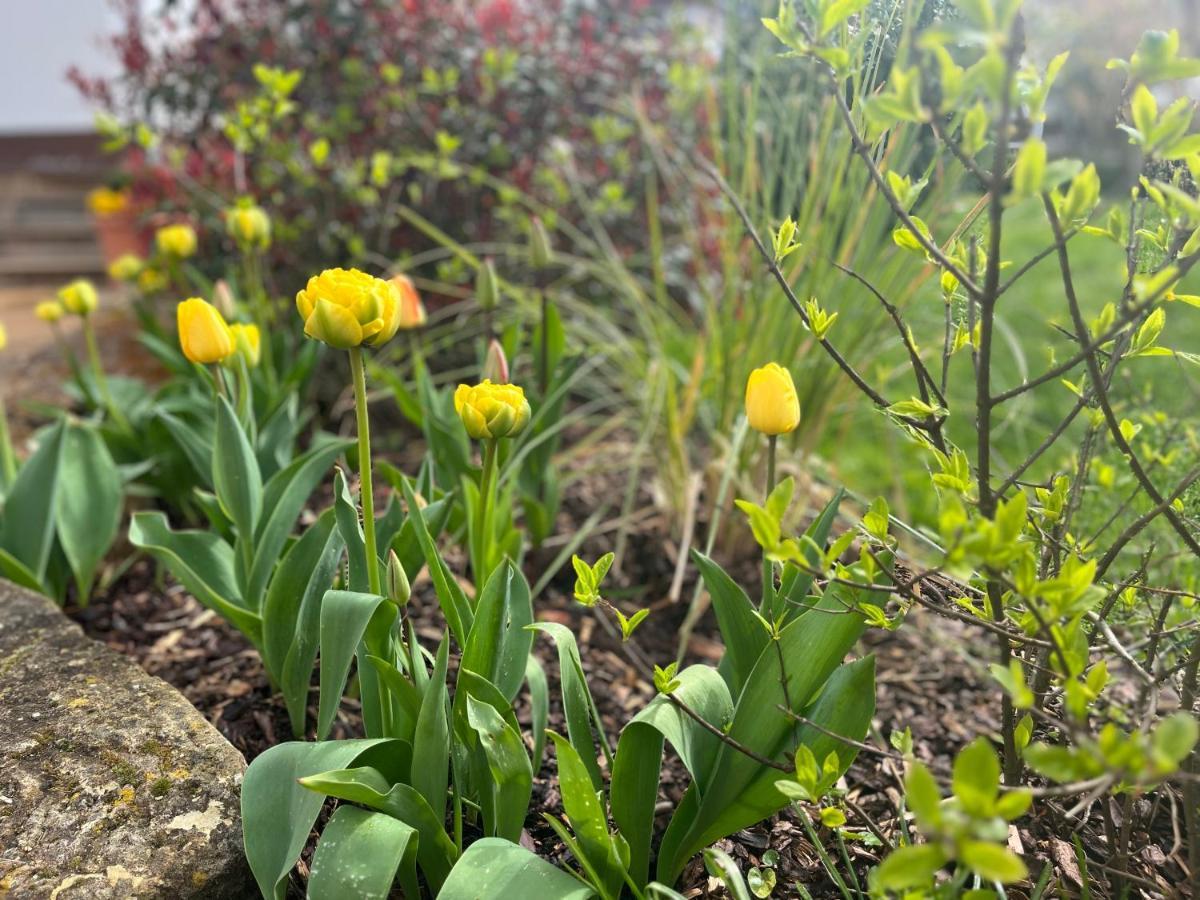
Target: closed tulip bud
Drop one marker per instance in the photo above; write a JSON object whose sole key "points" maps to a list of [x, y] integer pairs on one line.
{"points": [[203, 335], [126, 267], [412, 310], [247, 342], [346, 308], [151, 280], [176, 241], [492, 410], [398, 589], [49, 311], [541, 253], [249, 226], [487, 288], [495, 364], [79, 297], [223, 299], [771, 403]]}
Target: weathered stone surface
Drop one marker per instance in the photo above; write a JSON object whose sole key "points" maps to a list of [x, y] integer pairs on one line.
{"points": [[111, 784]]}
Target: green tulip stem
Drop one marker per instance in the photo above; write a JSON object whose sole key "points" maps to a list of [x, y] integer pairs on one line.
{"points": [[768, 570], [93, 349], [544, 361], [257, 289], [414, 349], [364, 469], [483, 525]]}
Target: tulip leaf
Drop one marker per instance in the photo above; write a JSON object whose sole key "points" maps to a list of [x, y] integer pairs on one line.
{"points": [[431, 740], [278, 813], [88, 508], [196, 446], [508, 763], [291, 613], [796, 583], [202, 562], [16, 571], [346, 617], [579, 709], [740, 627], [28, 530], [284, 498], [367, 786], [509, 870], [451, 598], [360, 854], [499, 643], [346, 513], [236, 479], [539, 708]]}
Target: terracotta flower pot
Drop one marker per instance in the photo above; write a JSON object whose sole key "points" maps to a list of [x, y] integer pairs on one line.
{"points": [[118, 233]]}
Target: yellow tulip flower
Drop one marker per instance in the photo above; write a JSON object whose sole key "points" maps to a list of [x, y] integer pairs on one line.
{"points": [[79, 297], [248, 342], [49, 311], [771, 403], [3, 336], [412, 310], [347, 308], [492, 410], [126, 267], [176, 241], [104, 201], [203, 335], [249, 226]]}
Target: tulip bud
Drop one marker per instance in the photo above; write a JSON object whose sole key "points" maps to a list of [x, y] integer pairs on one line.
{"points": [[487, 288], [151, 280], [223, 299], [247, 343], [541, 253], [249, 226], [49, 311], [772, 406], [398, 588], [412, 310], [125, 267], [79, 297], [203, 335], [176, 241], [492, 410], [495, 364]]}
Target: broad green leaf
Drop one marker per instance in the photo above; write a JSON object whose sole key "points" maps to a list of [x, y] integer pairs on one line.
{"points": [[581, 802], [741, 630], [345, 618], [977, 777], [360, 854], [15, 571], [236, 478], [28, 530], [368, 787], [499, 642], [578, 706], [454, 603], [284, 498], [88, 504], [910, 867], [492, 867], [346, 513], [291, 615], [992, 862], [512, 777], [431, 741], [539, 708], [202, 562], [721, 865], [278, 813]]}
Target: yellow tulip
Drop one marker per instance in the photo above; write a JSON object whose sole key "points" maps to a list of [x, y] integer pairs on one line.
{"points": [[492, 410], [203, 335], [412, 310], [104, 201], [79, 297], [249, 226], [771, 403], [176, 241], [126, 267], [346, 308], [248, 342], [151, 280], [3, 336], [49, 311]]}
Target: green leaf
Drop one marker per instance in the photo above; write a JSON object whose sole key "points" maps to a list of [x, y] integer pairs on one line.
{"points": [[359, 855], [976, 780], [1173, 739], [284, 499], [451, 598], [236, 477], [431, 741], [346, 513], [721, 865], [922, 796], [28, 530], [88, 504], [512, 777], [910, 867], [496, 868], [291, 614], [278, 814], [345, 619], [992, 862], [1029, 169], [202, 562], [539, 708], [741, 630], [581, 802], [499, 642]]}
